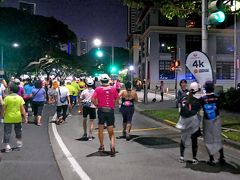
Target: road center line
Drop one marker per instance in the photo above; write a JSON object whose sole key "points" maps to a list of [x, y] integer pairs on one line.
{"points": [[82, 174]]}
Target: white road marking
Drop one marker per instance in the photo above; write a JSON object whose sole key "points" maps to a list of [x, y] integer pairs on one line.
{"points": [[82, 174]]}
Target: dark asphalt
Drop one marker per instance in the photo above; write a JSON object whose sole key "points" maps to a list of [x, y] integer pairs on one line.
{"points": [[35, 161], [152, 154]]}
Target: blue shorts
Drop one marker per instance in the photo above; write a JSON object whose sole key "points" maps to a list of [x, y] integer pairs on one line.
{"points": [[127, 114], [73, 99]]}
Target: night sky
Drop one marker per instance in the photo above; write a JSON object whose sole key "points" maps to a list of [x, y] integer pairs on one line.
{"points": [[106, 19]]}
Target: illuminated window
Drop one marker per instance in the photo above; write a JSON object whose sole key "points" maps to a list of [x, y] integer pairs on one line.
{"points": [[164, 70]]}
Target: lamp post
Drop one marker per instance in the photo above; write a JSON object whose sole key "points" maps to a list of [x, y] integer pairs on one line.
{"points": [[15, 45]]}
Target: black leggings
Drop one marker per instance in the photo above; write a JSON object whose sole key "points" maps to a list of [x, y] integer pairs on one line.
{"points": [[194, 138]]}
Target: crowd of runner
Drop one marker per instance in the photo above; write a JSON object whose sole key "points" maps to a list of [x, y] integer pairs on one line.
{"points": [[97, 98]]}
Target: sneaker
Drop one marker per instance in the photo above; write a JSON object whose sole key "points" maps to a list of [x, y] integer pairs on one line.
{"points": [[39, 124], [90, 138], [113, 151], [19, 144], [70, 115], [124, 134], [7, 148], [101, 149], [194, 161], [222, 161], [181, 159], [211, 162], [128, 137]]}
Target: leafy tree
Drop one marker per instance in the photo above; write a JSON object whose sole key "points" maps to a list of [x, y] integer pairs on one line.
{"points": [[37, 36], [172, 8], [179, 8]]}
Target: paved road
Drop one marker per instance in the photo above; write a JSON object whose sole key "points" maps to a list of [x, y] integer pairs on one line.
{"points": [[36, 160], [152, 154]]}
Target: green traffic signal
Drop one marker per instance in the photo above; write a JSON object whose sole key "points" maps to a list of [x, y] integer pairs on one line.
{"points": [[99, 53], [113, 69], [217, 17]]}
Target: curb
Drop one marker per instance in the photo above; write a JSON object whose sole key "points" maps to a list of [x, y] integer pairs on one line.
{"points": [[228, 142], [64, 166]]}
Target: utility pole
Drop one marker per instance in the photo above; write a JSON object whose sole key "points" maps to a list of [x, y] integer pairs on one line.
{"points": [[204, 27], [235, 47]]}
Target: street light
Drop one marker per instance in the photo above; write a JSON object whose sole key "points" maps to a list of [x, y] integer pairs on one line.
{"points": [[131, 68], [97, 42], [15, 45]]}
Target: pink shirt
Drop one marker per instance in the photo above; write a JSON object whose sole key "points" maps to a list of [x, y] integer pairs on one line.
{"points": [[105, 96]]}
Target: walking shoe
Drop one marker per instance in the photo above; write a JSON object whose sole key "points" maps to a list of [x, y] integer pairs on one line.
{"points": [[70, 115], [211, 162], [90, 138], [101, 149], [7, 148], [194, 161], [113, 151], [222, 161], [19, 144], [181, 159], [124, 134], [84, 136], [128, 137]]}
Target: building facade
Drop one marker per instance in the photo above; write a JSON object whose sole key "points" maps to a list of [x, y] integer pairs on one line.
{"points": [[27, 7], [157, 41]]}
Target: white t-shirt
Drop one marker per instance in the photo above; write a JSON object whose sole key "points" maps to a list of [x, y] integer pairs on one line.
{"points": [[2, 89], [64, 93], [86, 95]]}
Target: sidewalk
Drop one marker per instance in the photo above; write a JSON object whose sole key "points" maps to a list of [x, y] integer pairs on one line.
{"points": [[169, 102]]}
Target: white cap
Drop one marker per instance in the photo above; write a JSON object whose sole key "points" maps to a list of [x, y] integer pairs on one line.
{"points": [[194, 87], [16, 81], [89, 82], [104, 77]]}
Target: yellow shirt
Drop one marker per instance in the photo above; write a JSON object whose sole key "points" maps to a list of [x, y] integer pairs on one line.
{"points": [[82, 85], [12, 105], [75, 85]]}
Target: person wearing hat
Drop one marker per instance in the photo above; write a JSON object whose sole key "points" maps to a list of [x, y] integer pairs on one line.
{"points": [[212, 125], [105, 98], [88, 108], [189, 115], [129, 97]]}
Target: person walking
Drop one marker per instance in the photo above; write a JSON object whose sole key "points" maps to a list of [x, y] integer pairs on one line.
{"points": [[190, 106], [128, 96], [88, 108], [13, 111], [28, 87], [63, 101], [105, 98], [212, 125], [2, 95], [117, 85], [38, 96], [182, 92], [161, 90]]}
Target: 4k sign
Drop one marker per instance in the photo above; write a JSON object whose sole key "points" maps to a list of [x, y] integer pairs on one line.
{"points": [[198, 64]]}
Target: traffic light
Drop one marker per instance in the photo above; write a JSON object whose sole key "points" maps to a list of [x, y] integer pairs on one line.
{"points": [[177, 63], [172, 67], [216, 15], [113, 69], [99, 53]]}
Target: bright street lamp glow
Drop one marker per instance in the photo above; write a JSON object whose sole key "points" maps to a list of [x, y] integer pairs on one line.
{"points": [[131, 68], [15, 45], [97, 42]]}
